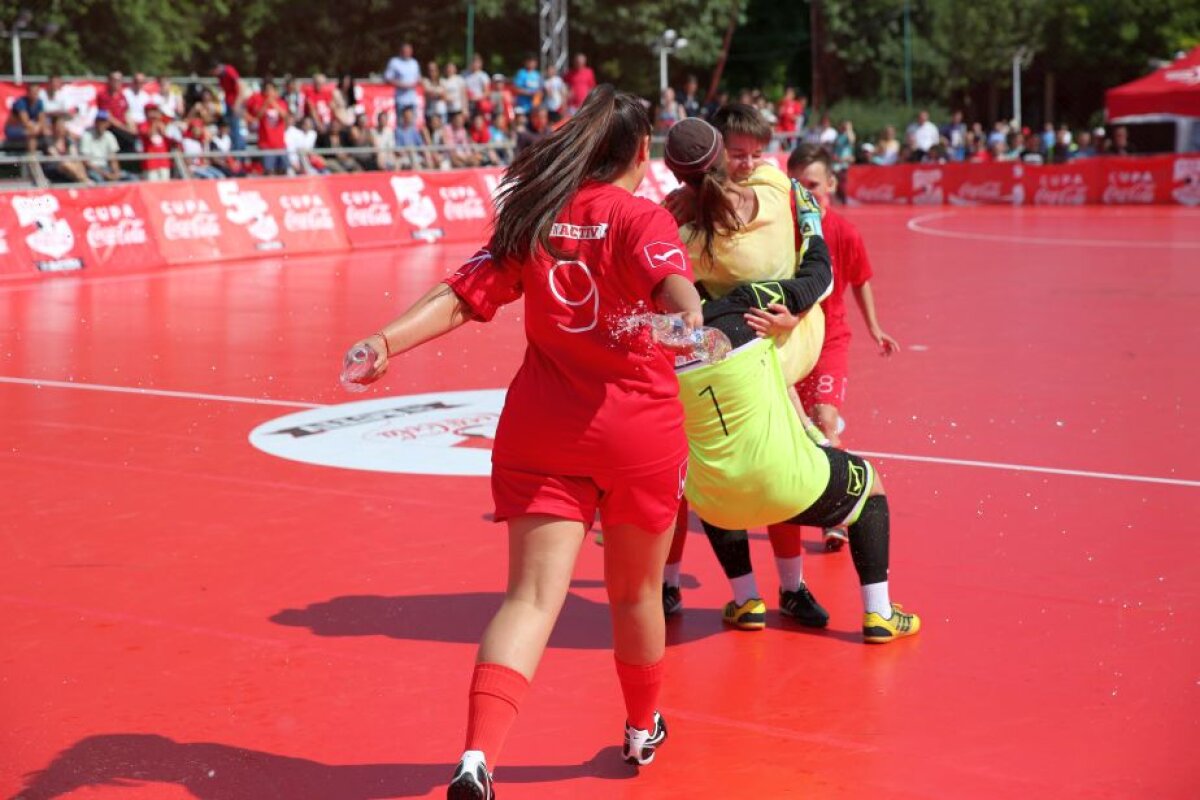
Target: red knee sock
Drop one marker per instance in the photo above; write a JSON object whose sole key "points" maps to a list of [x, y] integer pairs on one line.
{"points": [[495, 698], [641, 686], [785, 540], [680, 537]]}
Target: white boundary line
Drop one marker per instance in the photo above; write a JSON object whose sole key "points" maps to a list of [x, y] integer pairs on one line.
{"points": [[956, 462], [915, 224], [1078, 473], [99, 387]]}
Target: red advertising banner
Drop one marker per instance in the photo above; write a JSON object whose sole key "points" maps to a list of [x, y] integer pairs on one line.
{"points": [[105, 228], [186, 221], [979, 184], [1135, 181], [892, 185], [412, 207]]}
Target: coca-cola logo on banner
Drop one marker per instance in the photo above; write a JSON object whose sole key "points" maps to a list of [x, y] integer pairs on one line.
{"points": [[113, 225], [416, 209], [366, 209], [189, 219], [249, 209], [462, 203], [880, 193], [1061, 189], [1187, 173], [305, 212], [927, 187], [1129, 186], [51, 237]]}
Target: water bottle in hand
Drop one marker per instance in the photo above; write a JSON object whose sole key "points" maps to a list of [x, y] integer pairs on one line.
{"points": [[700, 344], [358, 364]]}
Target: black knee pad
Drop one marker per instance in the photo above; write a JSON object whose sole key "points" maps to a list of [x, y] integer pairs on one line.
{"points": [[869, 541]]}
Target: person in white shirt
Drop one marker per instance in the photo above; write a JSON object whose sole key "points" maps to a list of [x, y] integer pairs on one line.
{"points": [[138, 98], [925, 135], [554, 93], [99, 148], [454, 90], [404, 73], [479, 83], [300, 138]]}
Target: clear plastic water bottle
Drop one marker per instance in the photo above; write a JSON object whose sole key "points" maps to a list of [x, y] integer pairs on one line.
{"points": [[700, 344], [357, 365]]}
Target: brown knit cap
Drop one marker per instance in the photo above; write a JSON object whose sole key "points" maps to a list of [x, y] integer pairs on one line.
{"points": [[693, 146]]}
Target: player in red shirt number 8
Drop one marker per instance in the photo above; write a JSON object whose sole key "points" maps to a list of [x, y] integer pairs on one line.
{"points": [[592, 420]]}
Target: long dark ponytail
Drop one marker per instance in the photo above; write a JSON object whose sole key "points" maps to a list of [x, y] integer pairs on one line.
{"points": [[597, 144], [715, 212]]}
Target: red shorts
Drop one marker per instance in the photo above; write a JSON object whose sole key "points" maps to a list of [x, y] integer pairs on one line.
{"points": [[826, 384], [651, 502]]}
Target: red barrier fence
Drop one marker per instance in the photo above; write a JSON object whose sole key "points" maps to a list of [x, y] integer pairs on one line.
{"points": [[1169, 179], [148, 225]]}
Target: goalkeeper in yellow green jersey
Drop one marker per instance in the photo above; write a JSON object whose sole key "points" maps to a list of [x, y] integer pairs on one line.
{"points": [[752, 463]]}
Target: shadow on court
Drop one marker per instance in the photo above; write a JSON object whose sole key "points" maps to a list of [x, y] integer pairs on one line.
{"points": [[220, 772], [583, 625]]}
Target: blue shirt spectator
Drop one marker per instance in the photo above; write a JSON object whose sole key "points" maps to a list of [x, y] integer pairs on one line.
{"points": [[527, 84], [404, 73]]}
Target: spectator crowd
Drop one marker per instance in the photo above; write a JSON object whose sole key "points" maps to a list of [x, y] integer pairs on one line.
{"points": [[442, 118]]}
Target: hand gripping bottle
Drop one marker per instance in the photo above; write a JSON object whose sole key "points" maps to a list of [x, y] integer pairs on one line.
{"points": [[358, 364], [707, 345]]}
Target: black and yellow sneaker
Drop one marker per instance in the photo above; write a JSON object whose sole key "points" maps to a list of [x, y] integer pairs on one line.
{"points": [[749, 616], [801, 606], [471, 780], [672, 600], [640, 745], [880, 630]]}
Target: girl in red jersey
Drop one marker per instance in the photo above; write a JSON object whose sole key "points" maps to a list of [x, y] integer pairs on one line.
{"points": [[592, 422]]}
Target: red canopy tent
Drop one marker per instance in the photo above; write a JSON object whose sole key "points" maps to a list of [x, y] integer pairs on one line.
{"points": [[1173, 90]]}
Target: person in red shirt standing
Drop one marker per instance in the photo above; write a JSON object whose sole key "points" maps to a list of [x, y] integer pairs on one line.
{"points": [[112, 99], [592, 420], [823, 392], [231, 85], [270, 113], [791, 114], [580, 81]]}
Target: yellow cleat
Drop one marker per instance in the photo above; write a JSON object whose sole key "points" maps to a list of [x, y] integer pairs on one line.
{"points": [[878, 630], [749, 616]]}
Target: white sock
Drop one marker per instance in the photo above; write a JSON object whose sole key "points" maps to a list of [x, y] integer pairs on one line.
{"points": [[791, 572], [875, 599], [744, 588], [671, 575]]}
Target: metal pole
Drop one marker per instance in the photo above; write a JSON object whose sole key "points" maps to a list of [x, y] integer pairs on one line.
{"points": [[16, 48], [1016, 69], [470, 36], [662, 67], [907, 57]]}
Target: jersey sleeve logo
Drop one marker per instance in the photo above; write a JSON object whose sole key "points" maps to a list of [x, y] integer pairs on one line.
{"points": [[766, 293], [665, 254]]}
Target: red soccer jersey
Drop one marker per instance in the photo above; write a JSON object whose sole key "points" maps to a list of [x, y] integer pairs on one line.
{"points": [[851, 267], [591, 398], [788, 112]]}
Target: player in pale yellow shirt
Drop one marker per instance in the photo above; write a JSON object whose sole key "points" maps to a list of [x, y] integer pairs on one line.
{"points": [[743, 222]]}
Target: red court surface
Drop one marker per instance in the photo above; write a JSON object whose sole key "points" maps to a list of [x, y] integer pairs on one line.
{"points": [[187, 616]]}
